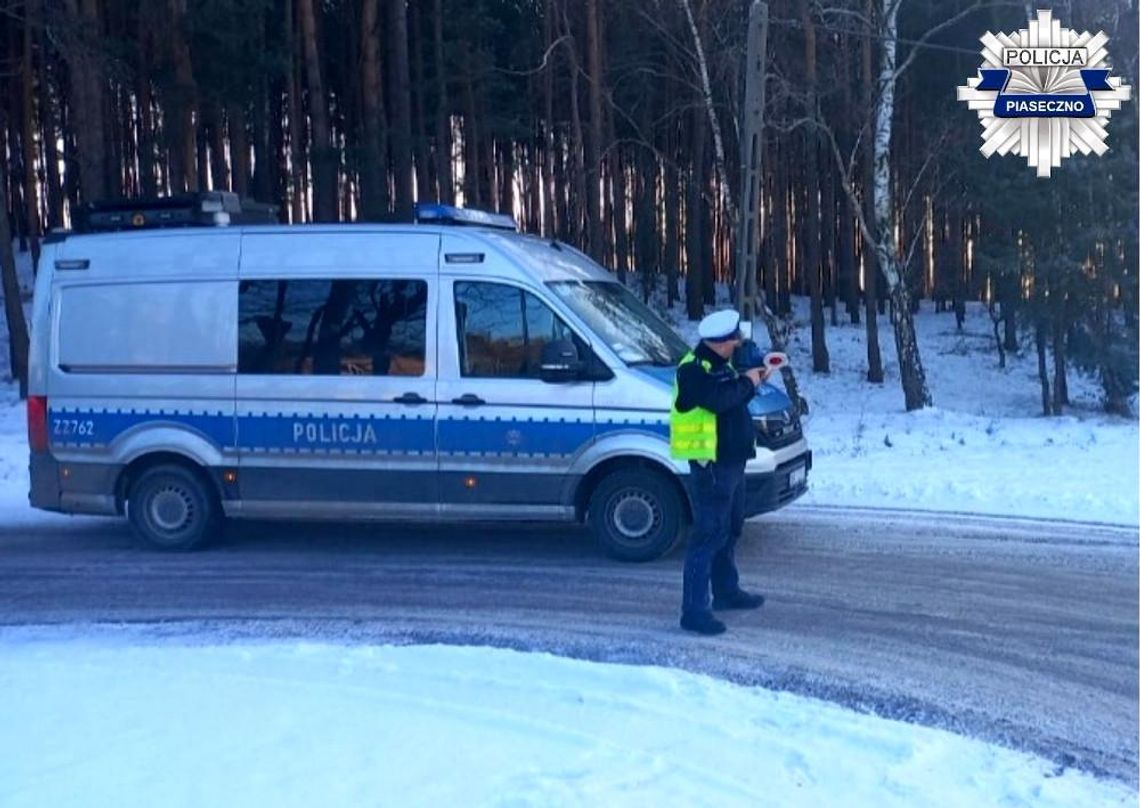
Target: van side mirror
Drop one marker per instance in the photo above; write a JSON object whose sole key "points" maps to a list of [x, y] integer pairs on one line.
{"points": [[560, 362]]}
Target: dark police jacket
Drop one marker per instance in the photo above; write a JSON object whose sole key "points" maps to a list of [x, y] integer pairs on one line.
{"points": [[724, 391]]}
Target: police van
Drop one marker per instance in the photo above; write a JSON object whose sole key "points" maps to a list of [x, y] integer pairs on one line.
{"points": [[188, 367]]}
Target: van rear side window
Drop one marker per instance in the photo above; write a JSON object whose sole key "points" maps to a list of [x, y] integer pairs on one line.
{"points": [[332, 327]]}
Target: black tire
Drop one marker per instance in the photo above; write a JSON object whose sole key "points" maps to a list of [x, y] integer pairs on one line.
{"points": [[636, 514], [173, 508]]}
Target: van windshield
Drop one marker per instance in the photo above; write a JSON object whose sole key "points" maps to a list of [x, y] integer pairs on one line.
{"points": [[630, 328]]}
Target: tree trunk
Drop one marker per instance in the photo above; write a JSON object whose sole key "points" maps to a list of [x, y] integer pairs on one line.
{"points": [[1042, 368], [696, 30], [1009, 312], [121, 158], [596, 242], [420, 139], [621, 225], [486, 150], [995, 319], [86, 73], [442, 113], [265, 125], [827, 240], [1060, 380], [239, 149], [181, 148], [472, 190], [821, 362], [915, 391], [148, 180], [846, 260], [578, 147], [870, 261], [13, 306], [296, 128], [507, 177], [202, 151], [321, 152], [31, 196], [399, 94], [694, 222], [848, 271], [275, 179], [672, 202], [373, 175], [550, 212], [706, 232], [219, 176], [749, 298], [647, 263], [957, 269], [50, 130], [776, 237]]}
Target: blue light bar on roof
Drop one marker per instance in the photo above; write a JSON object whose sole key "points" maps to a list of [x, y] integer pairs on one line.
{"points": [[436, 213]]}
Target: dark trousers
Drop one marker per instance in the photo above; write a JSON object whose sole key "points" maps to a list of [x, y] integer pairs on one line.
{"points": [[717, 524]]}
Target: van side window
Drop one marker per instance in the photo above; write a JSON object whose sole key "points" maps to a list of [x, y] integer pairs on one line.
{"points": [[332, 327], [502, 330]]}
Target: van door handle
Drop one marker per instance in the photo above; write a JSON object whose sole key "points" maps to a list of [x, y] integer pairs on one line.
{"points": [[410, 398], [468, 400]]}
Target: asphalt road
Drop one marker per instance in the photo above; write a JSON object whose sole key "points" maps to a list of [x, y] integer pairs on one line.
{"points": [[1014, 631]]}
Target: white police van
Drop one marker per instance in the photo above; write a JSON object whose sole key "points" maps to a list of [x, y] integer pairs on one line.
{"points": [[447, 370]]}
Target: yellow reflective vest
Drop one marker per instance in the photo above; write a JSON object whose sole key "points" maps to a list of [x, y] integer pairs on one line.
{"points": [[692, 434]]}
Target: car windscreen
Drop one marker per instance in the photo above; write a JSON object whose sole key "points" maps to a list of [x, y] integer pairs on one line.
{"points": [[630, 328]]}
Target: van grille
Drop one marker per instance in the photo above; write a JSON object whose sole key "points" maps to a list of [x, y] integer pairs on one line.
{"points": [[777, 430]]}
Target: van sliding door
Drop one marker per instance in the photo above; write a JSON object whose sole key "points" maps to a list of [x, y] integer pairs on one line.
{"points": [[336, 398]]}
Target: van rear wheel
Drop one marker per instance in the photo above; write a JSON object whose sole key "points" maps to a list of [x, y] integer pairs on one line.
{"points": [[636, 515], [173, 508]]}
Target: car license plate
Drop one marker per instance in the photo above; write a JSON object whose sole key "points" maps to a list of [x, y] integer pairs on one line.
{"points": [[797, 477]]}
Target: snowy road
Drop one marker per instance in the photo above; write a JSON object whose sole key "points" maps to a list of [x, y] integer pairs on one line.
{"points": [[1019, 632]]}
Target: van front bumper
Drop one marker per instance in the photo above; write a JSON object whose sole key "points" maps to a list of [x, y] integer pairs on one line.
{"points": [[771, 490], [766, 491]]}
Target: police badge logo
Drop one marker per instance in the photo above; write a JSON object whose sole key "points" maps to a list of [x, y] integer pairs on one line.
{"points": [[1044, 93]]}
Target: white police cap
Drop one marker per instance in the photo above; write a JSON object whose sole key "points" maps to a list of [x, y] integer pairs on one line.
{"points": [[719, 326]]}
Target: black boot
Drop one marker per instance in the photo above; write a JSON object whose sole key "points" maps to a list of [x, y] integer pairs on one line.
{"points": [[701, 623], [738, 600]]}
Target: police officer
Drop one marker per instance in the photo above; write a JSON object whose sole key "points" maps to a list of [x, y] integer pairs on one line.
{"points": [[710, 427]]}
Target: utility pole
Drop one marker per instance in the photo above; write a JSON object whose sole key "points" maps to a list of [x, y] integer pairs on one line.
{"points": [[750, 300], [751, 154]]}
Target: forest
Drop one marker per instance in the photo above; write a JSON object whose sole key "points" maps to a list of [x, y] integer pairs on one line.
{"points": [[615, 126]]}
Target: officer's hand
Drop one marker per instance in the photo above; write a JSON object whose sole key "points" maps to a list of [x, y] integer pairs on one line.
{"points": [[756, 375]]}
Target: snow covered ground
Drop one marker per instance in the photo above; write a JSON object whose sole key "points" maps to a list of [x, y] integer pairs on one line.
{"points": [[108, 715]]}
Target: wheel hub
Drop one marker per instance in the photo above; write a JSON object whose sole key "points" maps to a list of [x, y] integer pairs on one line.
{"points": [[171, 509], [635, 515]]}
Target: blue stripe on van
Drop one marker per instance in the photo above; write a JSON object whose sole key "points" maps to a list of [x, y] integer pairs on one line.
{"points": [[655, 427], [396, 435], [359, 434], [512, 436], [82, 427]]}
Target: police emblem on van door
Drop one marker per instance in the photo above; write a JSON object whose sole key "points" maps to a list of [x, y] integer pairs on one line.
{"points": [[1044, 93], [514, 438]]}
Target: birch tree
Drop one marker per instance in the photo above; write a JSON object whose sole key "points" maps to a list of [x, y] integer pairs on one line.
{"points": [[913, 377]]}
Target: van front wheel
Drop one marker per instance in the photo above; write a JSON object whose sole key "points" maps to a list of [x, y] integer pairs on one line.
{"points": [[636, 515], [172, 508]]}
